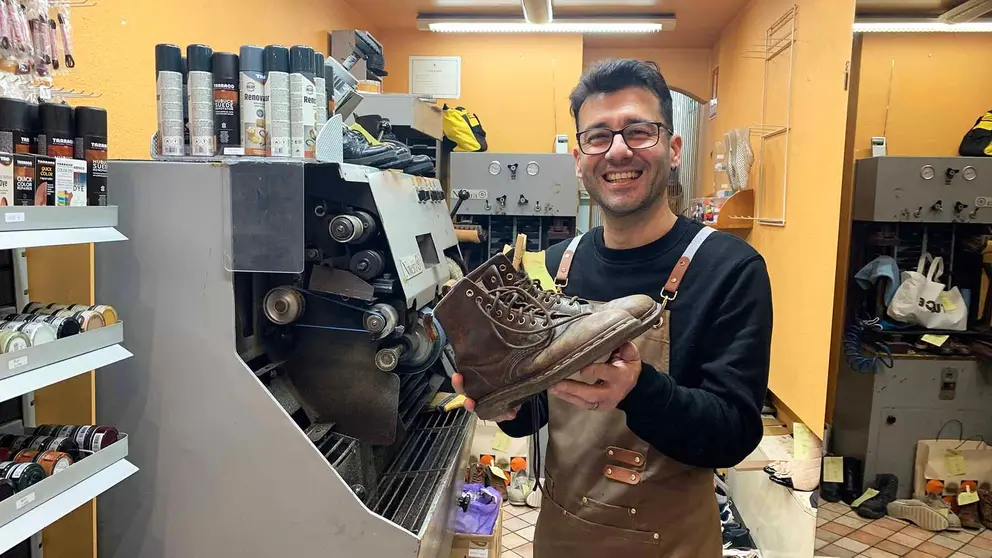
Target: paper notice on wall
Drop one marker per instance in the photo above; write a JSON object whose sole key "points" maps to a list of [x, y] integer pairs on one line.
{"points": [[439, 77]]}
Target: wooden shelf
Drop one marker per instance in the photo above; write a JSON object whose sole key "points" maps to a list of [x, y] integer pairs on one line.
{"points": [[740, 204]]}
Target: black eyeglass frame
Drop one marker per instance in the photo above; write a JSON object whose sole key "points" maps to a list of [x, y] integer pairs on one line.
{"points": [[661, 126]]}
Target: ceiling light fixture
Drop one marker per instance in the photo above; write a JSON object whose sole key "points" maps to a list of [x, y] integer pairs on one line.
{"points": [[921, 26], [537, 11], [470, 24]]}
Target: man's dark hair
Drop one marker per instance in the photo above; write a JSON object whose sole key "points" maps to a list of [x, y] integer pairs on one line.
{"points": [[610, 76]]}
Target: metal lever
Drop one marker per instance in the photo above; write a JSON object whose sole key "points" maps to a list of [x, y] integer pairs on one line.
{"points": [[959, 207], [523, 200], [462, 196], [918, 212], [949, 175], [502, 200]]}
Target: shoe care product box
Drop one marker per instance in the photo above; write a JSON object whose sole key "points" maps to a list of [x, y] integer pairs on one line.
{"points": [[17, 178], [64, 181], [479, 546]]}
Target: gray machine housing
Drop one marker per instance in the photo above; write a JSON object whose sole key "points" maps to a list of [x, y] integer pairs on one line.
{"points": [[879, 417], [516, 184], [240, 450], [923, 190]]}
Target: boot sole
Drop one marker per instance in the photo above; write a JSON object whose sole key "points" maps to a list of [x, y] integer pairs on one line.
{"points": [[502, 400], [923, 516]]}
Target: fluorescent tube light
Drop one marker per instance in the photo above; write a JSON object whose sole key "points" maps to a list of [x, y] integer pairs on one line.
{"points": [[448, 24], [929, 26]]}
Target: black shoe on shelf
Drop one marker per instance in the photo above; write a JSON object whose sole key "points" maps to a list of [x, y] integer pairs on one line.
{"points": [[358, 151]]}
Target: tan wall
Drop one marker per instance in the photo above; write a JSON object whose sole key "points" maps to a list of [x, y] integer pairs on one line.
{"points": [[685, 69]]}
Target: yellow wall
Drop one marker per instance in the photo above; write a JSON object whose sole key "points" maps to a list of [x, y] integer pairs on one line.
{"points": [[685, 69], [115, 48], [937, 88], [517, 84], [801, 256]]}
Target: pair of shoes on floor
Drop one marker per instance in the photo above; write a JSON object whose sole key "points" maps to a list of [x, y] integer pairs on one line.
{"points": [[973, 514], [802, 475], [371, 142], [522, 491], [513, 340], [849, 489]]}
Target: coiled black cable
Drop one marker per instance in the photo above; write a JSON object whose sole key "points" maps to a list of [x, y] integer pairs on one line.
{"points": [[853, 345]]}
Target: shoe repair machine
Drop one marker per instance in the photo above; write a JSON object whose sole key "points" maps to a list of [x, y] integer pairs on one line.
{"points": [[901, 382], [507, 194], [284, 362]]}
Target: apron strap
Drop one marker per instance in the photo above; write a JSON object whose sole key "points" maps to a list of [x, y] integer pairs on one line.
{"points": [[561, 277], [671, 288]]}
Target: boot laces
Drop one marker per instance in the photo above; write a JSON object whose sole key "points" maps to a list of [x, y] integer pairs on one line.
{"points": [[534, 288], [514, 305]]}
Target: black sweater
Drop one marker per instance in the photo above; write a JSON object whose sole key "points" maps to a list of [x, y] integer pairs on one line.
{"points": [[706, 411]]}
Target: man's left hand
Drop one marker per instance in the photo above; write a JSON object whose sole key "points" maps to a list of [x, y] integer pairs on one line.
{"points": [[609, 383]]}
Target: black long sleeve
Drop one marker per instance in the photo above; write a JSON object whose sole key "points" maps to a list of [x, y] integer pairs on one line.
{"points": [[718, 423]]}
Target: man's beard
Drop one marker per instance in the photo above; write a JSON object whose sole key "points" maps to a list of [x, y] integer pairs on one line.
{"points": [[655, 194]]}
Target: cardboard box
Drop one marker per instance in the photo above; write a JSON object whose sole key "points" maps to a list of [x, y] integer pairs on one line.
{"points": [[16, 179], [479, 546]]}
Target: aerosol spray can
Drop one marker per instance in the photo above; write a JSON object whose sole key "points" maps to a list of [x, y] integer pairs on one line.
{"points": [[302, 97], [227, 114], [185, 107], [320, 84], [253, 100], [199, 59], [277, 142], [169, 99]]}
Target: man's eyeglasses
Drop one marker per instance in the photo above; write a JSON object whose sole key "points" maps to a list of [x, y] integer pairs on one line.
{"points": [[639, 135]]}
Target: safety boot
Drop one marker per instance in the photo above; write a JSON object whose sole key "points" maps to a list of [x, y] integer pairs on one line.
{"points": [[499, 272], [509, 348]]}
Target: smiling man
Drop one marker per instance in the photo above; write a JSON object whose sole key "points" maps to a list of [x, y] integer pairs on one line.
{"points": [[633, 446]]}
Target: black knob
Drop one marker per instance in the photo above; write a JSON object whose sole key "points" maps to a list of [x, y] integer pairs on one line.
{"points": [[523, 200], [939, 206], [890, 420], [959, 207], [502, 199], [949, 173], [464, 194]]}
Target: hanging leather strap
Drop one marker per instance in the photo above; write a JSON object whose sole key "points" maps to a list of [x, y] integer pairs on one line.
{"points": [[671, 288]]}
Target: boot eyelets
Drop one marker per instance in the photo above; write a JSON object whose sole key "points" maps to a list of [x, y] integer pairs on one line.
{"points": [[508, 276], [469, 292], [499, 313], [511, 317], [523, 321], [478, 300], [502, 267], [489, 307]]}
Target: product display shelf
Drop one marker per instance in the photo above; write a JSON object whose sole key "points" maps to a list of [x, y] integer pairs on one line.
{"points": [[33, 226], [42, 504], [43, 365], [737, 212]]}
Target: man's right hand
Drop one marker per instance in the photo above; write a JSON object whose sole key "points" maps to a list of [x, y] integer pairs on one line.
{"points": [[458, 383]]}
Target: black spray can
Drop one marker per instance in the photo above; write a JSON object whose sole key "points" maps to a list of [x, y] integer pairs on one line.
{"points": [[91, 145], [227, 112]]}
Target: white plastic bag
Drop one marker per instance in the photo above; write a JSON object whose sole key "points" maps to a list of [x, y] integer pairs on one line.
{"points": [[921, 300]]}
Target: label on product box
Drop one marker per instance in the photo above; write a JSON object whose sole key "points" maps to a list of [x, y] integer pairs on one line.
{"points": [[70, 182], [253, 100], [6, 179], [478, 553], [44, 181], [227, 115], [23, 179], [94, 152], [169, 93], [200, 91]]}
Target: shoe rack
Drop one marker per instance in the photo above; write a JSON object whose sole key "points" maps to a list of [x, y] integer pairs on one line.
{"points": [[52, 260]]}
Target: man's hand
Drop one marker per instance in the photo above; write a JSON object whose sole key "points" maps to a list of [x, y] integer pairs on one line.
{"points": [[458, 383], [612, 381]]}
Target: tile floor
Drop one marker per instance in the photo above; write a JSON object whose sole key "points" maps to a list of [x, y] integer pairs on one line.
{"points": [[518, 531], [841, 533]]}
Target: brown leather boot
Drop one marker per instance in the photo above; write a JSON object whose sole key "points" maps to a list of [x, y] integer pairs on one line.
{"points": [[499, 272], [508, 348], [985, 504]]}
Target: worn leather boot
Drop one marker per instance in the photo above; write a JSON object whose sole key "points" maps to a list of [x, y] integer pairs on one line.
{"points": [[499, 272], [509, 348]]}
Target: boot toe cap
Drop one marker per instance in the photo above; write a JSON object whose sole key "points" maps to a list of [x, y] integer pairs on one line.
{"points": [[638, 306]]}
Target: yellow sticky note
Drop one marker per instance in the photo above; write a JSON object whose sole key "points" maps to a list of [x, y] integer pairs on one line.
{"points": [[498, 472], [947, 303], [833, 469], [955, 464], [868, 495], [935, 340], [967, 497], [804, 443], [501, 442]]}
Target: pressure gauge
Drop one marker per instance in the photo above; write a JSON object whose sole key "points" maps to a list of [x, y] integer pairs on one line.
{"points": [[969, 173], [533, 168], [927, 172], [495, 168]]}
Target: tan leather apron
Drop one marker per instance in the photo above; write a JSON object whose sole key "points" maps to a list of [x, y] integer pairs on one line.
{"points": [[608, 493]]}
